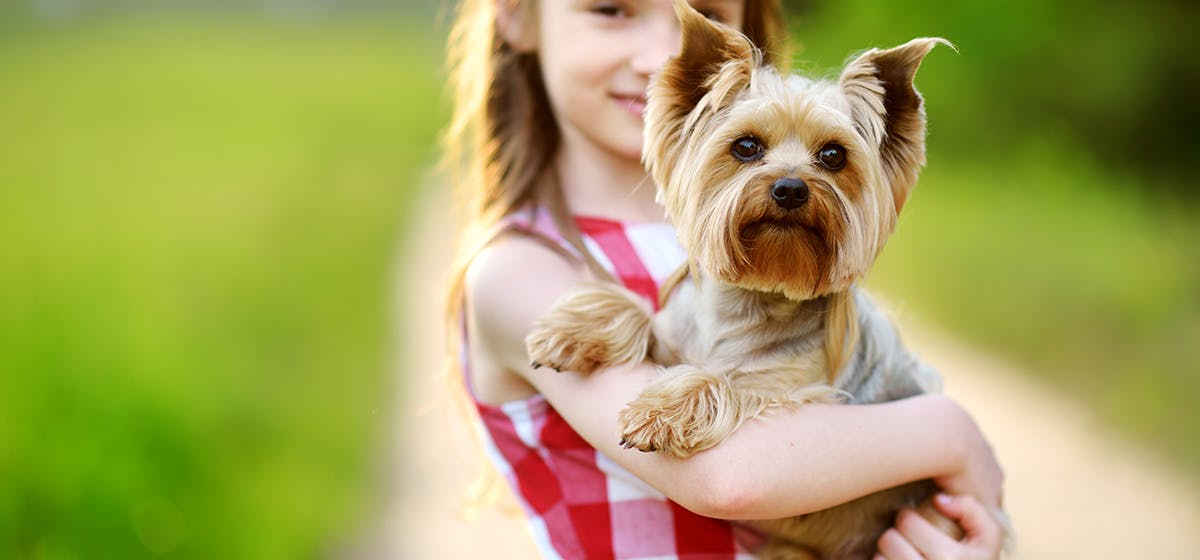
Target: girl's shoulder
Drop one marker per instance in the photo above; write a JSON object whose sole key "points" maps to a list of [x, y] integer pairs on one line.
{"points": [[527, 265], [507, 286], [524, 249]]}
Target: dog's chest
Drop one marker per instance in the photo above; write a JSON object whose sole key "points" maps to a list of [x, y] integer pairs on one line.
{"points": [[706, 323]]}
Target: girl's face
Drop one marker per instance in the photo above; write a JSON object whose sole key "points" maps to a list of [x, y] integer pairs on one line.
{"points": [[597, 57]]}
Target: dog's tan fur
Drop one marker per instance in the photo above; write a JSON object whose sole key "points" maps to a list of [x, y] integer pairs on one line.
{"points": [[769, 315]]}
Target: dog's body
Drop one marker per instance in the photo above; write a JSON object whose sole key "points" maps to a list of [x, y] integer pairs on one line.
{"points": [[732, 330], [757, 351], [782, 363], [782, 190]]}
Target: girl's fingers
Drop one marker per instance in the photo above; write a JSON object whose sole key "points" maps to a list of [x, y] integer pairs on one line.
{"points": [[893, 546], [930, 541], [979, 523]]}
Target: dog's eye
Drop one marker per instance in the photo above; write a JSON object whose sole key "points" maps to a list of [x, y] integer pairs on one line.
{"points": [[832, 156], [747, 148]]}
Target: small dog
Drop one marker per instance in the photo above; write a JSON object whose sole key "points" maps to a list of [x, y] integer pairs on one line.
{"points": [[783, 191]]}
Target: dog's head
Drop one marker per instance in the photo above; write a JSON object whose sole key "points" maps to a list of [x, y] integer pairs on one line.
{"points": [[780, 183]]}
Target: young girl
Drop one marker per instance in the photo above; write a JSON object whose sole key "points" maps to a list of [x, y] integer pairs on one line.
{"points": [[547, 134]]}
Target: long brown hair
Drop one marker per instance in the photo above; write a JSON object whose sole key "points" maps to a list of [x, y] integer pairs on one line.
{"points": [[502, 136]]}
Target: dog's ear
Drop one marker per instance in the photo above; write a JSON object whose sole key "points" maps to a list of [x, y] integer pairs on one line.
{"points": [[713, 58], [714, 63], [888, 110]]}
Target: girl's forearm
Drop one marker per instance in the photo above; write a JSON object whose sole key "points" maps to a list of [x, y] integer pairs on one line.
{"points": [[800, 460], [788, 461]]}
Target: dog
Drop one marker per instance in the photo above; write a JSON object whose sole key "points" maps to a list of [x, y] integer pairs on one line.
{"points": [[783, 190]]}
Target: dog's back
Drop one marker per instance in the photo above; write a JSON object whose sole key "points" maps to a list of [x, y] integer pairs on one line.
{"points": [[881, 369]]}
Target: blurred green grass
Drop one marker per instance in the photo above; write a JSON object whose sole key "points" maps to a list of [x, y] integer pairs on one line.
{"points": [[199, 219], [1089, 286]]}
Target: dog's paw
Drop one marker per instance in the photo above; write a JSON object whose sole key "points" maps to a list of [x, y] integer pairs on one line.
{"points": [[565, 349], [591, 328], [646, 429], [680, 414]]}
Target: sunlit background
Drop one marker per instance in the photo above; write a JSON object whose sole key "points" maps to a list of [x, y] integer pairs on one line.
{"points": [[201, 204]]}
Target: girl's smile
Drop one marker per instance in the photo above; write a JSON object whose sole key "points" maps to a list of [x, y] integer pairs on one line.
{"points": [[635, 104]]}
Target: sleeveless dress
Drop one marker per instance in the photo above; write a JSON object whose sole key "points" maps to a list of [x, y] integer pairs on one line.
{"points": [[580, 504]]}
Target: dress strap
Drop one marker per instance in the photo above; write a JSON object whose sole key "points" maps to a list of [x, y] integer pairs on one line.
{"points": [[538, 236], [534, 225]]}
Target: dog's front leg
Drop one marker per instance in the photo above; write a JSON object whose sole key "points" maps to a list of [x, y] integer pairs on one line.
{"points": [[596, 326], [686, 409], [683, 411]]}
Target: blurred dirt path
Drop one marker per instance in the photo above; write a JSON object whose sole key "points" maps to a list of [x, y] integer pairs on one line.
{"points": [[1073, 490]]}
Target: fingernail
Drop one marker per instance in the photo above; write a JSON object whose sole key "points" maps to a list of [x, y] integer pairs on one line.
{"points": [[943, 499]]}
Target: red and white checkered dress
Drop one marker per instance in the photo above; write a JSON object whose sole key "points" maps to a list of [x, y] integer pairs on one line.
{"points": [[580, 504]]}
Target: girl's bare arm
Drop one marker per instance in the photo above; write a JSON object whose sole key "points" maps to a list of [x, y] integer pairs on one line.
{"points": [[786, 462]]}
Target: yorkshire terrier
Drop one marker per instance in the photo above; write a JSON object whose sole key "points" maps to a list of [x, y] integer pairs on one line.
{"points": [[783, 190]]}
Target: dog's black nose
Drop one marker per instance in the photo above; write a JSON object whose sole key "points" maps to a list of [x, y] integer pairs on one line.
{"points": [[789, 193]]}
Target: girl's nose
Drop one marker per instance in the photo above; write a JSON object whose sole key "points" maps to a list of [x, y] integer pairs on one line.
{"points": [[660, 42]]}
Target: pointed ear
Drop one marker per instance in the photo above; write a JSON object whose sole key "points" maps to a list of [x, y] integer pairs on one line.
{"points": [[714, 63], [712, 57], [888, 110]]}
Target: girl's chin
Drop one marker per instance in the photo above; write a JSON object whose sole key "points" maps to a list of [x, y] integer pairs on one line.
{"points": [[630, 151]]}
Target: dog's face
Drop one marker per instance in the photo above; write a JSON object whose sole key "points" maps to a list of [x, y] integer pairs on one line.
{"points": [[779, 183]]}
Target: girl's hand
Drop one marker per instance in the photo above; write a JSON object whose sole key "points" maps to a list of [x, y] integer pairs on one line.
{"points": [[978, 473], [915, 538]]}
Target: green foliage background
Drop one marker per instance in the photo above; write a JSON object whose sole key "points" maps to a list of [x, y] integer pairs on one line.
{"points": [[198, 219], [1058, 218], [199, 210]]}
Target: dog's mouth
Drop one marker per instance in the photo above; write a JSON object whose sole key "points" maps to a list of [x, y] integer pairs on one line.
{"points": [[770, 225], [776, 232]]}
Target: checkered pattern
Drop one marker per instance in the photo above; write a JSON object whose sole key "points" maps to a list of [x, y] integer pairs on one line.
{"points": [[580, 504]]}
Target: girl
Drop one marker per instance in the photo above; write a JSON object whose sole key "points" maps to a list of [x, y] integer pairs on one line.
{"points": [[547, 134]]}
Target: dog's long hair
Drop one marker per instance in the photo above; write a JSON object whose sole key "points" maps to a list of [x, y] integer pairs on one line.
{"points": [[719, 88]]}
